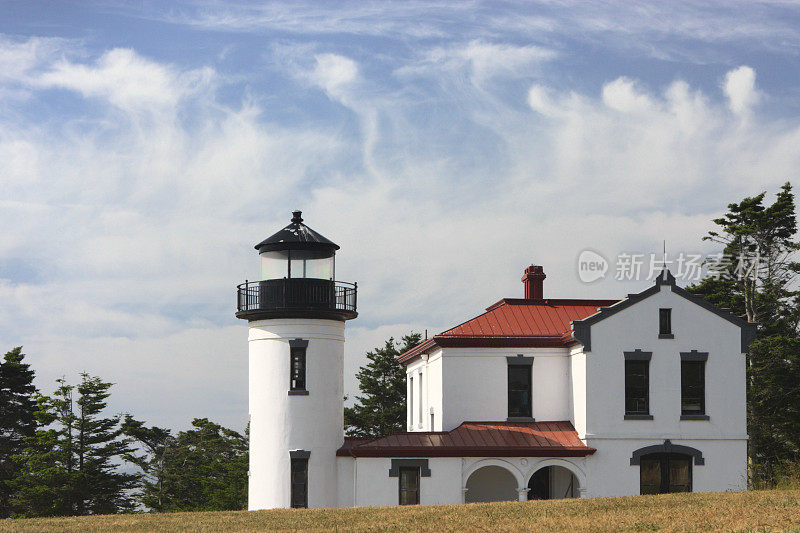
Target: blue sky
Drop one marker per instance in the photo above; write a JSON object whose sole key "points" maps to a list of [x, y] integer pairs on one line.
{"points": [[146, 146]]}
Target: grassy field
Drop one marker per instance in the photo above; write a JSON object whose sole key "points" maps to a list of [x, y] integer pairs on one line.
{"points": [[768, 510]]}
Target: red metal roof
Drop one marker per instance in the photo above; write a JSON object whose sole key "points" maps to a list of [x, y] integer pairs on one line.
{"points": [[477, 439], [515, 322]]}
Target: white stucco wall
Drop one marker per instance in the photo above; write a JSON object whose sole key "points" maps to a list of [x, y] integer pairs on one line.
{"points": [[610, 473], [721, 439], [578, 389], [475, 384], [374, 487], [429, 369], [280, 423]]}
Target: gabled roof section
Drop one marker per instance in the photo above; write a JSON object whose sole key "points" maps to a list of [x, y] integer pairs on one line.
{"points": [[476, 439], [581, 329], [513, 322]]}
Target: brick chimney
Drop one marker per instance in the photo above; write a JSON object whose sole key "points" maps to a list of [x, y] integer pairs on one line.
{"points": [[533, 280]]}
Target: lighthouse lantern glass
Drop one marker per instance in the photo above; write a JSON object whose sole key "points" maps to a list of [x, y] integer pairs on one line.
{"points": [[318, 264]]}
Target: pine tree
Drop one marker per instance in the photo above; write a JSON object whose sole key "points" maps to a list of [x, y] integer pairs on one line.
{"points": [[155, 442], [72, 466], [101, 488], [381, 408], [45, 484], [17, 419], [758, 285], [759, 245], [201, 469]]}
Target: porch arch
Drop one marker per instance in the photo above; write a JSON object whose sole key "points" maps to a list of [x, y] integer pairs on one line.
{"points": [[577, 471], [492, 480], [555, 479]]}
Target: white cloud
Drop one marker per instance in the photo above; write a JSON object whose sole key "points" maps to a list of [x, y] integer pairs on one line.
{"points": [[482, 60], [740, 88], [622, 95], [125, 237], [334, 73]]}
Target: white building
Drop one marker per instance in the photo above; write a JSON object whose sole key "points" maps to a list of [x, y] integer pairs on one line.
{"points": [[536, 398]]}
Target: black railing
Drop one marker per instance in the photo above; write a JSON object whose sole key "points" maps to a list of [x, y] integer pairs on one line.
{"points": [[306, 295]]}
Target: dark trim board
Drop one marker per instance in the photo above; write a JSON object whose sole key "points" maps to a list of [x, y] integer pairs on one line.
{"points": [[694, 355], [397, 464], [299, 454], [519, 360], [668, 447], [638, 355], [581, 329]]}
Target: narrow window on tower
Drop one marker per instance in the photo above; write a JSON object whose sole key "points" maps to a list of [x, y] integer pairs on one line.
{"points": [[299, 478], [297, 367]]}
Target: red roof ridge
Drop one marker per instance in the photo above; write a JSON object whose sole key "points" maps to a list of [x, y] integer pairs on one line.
{"points": [[554, 302]]}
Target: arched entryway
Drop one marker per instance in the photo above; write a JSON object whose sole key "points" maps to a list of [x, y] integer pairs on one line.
{"points": [[553, 483], [491, 483]]}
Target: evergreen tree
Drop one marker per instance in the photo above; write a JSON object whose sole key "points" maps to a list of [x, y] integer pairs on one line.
{"points": [[17, 419], [381, 408], [72, 466], [154, 441], [45, 485], [201, 469], [101, 488], [758, 284]]}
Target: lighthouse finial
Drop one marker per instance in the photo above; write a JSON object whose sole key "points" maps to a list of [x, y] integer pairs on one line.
{"points": [[296, 218]]}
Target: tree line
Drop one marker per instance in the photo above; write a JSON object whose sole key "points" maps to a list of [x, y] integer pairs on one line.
{"points": [[63, 455]]}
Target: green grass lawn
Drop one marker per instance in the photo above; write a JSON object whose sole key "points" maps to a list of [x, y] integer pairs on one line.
{"points": [[768, 510]]}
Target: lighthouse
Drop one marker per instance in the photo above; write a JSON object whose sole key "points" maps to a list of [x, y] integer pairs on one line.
{"points": [[296, 315]]}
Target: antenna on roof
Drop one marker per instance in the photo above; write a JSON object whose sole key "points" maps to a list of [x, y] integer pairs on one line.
{"points": [[664, 263]]}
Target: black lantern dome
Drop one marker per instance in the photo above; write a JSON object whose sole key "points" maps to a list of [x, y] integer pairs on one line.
{"points": [[296, 236], [298, 267]]}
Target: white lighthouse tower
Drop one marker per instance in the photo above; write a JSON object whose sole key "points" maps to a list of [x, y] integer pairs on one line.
{"points": [[296, 314]]}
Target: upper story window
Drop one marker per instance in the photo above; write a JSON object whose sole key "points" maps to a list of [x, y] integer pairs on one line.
{"points": [[520, 404], [693, 385], [419, 403], [637, 385], [297, 366], [411, 401], [665, 324]]}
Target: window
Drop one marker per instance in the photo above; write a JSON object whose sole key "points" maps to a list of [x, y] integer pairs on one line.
{"points": [[411, 401], [421, 415], [693, 386], [297, 366], [637, 385], [409, 485], [665, 324], [665, 472], [299, 479], [519, 391]]}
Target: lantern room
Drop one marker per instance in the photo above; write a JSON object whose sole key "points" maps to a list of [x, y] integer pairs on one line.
{"points": [[297, 251], [298, 269]]}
